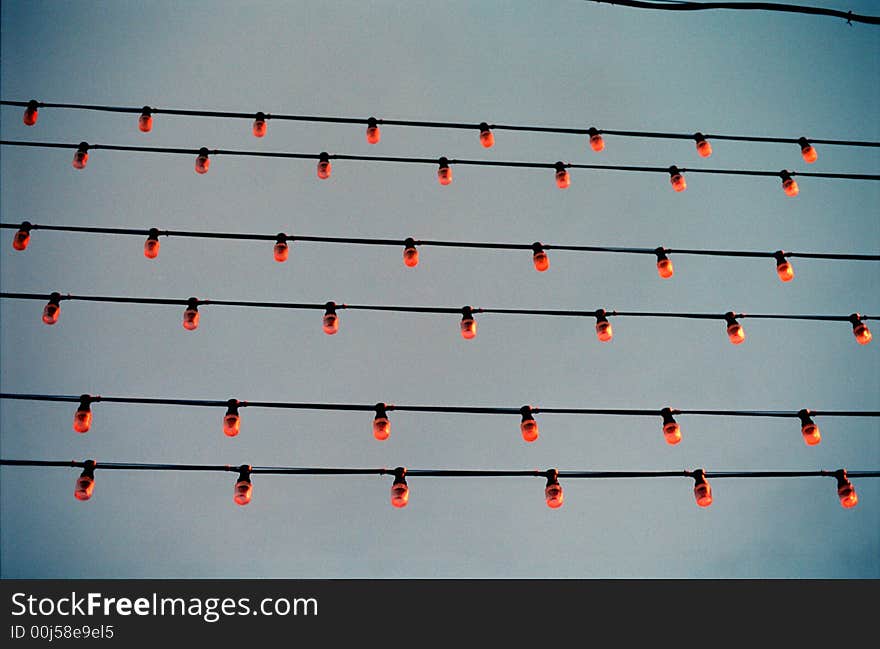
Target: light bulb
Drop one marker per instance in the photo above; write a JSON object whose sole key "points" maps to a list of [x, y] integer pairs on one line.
{"points": [[809, 429], [231, 420], [783, 267], [191, 314], [410, 253], [381, 424], [324, 166], [665, 269], [31, 113], [203, 163], [81, 156], [82, 418], [702, 489], [860, 329], [597, 143], [676, 177], [23, 237], [553, 491], [145, 120], [528, 427], [151, 245], [540, 258], [603, 327], [487, 138], [808, 151], [735, 331], [373, 132], [399, 489], [704, 149], [281, 249], [468, 324], [260, 126], [85, 483], [845, 491], [243, 487], [52, 309], [563, 178], [444, 172], [671, 429], [789, 185], [331, 320]]}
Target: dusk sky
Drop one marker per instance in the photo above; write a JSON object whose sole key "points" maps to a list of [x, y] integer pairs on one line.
{"points": [[569, 64]]}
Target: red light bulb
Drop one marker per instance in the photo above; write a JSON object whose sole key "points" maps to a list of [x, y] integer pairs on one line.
{"points": [[603, 327], [528, 427], [399, 489], [381, 424], [281, 249], [735, 331], [145, 120], [23, 237], [151, 245], [665, 269], [809, 429], [860, 329], [243, 487], [231, 420], [31, 113], [487, 138], [704, 149], [671, 429], [789, 185], [468, 324], [553, 491], [540, 258], [563, 178], [444, 172], [807, 151], [260, 126], [203, 163], [702, 489], [85, 483], [373, 132], [676, 177], [52, 309], [331, 320], [783, 267], [597, 143], [82, 418], [81, 156], [324, 166], [191, 314], [845, 491], [410, 253]]}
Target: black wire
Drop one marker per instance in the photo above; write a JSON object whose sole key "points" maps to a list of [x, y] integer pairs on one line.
{"points": [[762, 6], [482, 410], [434, 161], [435, 473], [291, 238], [431, 309], [438, 125]]}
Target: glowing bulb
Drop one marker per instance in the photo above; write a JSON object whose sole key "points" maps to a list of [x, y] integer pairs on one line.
{"points": [[665, 269], [702, 489], [845, 491], [203, 163], [243, 487], [81, 156], [860, 329], [381, 424], [735, 331], [191, 314], [671, 429], [603, 327], [331, 320], [231, 420], [85, 483], [31, 113], [399, 489], [260, 126], [324, 166], [676, 177], [809, 429], [540, 258], [151, 245], [563, 178], [704, 149], [281, 249], [23, 237], [553, 491], [789, 186], [52, 309], [82, 418], [410, 253], [528, 427], [596, 141], [373, 132], [468, 324], [487, 138], [145, 120], [444, 172], [808, 151], [783, 267]]}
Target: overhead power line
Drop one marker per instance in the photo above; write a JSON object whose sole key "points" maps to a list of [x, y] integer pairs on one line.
{"points": [[553, 491], [849, 16], [82, 419]]}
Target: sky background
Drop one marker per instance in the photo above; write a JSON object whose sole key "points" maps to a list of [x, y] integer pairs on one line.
{"points": [[575, 64]]}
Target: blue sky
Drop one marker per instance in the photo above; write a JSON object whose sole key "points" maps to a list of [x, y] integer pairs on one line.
{"points": [[568, 64]]}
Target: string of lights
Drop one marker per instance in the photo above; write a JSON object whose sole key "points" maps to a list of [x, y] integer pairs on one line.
{"points": [[540, 259], [82, 418], [444, 165], [468, 325], [849, 16], [486, 129], [553, 492]]}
